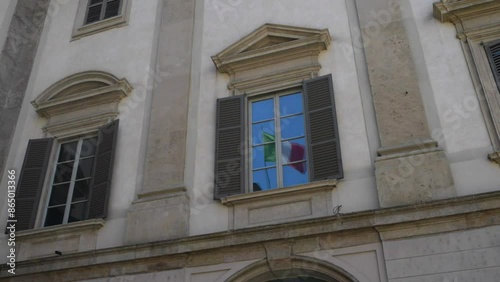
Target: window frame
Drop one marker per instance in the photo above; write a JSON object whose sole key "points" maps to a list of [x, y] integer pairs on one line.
{"points": [[81, 29], [104, 4], [51, 173], [277, 127]]}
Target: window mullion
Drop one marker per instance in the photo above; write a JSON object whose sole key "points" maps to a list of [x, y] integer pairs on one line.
{"points": [[44, 217], [73, 180], [277, 126], [103, 11]]}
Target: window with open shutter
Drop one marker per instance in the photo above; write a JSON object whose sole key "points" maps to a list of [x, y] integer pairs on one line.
{"points": [[293, 139], [102, 9], [493, 51]]}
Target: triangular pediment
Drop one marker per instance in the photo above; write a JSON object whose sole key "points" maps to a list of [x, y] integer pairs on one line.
{"points": [[270, 40]]}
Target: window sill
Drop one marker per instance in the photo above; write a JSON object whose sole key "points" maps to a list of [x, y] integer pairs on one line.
{"points": [[281, 205], [66, 238], [100, 26]]}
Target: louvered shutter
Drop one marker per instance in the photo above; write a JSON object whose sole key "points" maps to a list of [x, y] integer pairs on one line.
{"points": [[230, 148], [323, 137], [112, 8], [94, 11], [30, 183], [102, 170], [493, 51]]}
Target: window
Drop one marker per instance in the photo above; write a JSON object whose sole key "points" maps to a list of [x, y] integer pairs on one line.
{"points": [[278, 125], [493, 51], [94, 16], [81, 181], [68, 200], [300, 125], [99, 10]]}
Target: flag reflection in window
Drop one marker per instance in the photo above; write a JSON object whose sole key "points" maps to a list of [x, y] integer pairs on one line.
{"points": [[278, 126]]}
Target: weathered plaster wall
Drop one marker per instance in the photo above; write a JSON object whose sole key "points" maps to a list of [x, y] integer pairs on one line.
{"points": [[472, 255], [125, 52], [225, 22], [6, 12], [450, 101]]}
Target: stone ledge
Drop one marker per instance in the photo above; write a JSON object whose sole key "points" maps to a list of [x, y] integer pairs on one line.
{"points": [[61, 229], [451, 10], [176, 251]]}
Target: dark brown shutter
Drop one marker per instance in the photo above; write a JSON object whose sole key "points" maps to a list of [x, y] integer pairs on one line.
{"points": [[31, 180], [112, 8], [230, 147], [102, 171], [493, 51], [325, 160]]}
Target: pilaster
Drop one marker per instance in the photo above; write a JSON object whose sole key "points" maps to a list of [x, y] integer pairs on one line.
{"points": [[411, 168]]}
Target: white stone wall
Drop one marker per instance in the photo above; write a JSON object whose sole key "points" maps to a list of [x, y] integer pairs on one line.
{"points": [[225, 22], [7, 8], [125, 52], [451, 104], [471, 255]]}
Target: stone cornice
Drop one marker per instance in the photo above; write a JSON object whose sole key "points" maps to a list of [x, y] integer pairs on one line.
{"points": [[494, 157], [282, 43], [79, 91], [480, 207], [452, 10]]}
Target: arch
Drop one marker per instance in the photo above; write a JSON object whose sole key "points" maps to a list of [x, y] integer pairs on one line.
{"points": [[300, 267], [79, 91]]}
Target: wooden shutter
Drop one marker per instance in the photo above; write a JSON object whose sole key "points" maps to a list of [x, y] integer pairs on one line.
{"points": [[31, 180], [112, 8], [325, 161], [493, 51], [102, 171], [230, 147]]}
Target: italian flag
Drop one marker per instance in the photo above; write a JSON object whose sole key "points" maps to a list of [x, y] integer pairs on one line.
{"points": [[291, 152]]}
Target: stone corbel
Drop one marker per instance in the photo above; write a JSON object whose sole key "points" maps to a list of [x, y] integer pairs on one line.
{"points": [[494, 157]]}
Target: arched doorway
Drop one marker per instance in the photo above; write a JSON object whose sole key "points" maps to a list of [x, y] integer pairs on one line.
{"points": [[303, 269]]}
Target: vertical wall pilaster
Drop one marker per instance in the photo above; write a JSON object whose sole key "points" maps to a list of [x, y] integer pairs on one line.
{"points": [[411, 168], [162, 209], [16, 62]]}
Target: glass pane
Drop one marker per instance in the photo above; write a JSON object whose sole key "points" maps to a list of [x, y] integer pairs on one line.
{"points": [[88, 147], [68, 152], [264, 179], [63, 172], [295, 174], [112, 9], [77, 212], [264, 156], [81, 190], [291, 104], [54, 216], [84, 168], [262, 110], [59, 194], [263, 132], [293, 150], [292, 127]]}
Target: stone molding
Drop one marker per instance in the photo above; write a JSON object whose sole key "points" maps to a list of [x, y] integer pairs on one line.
{"points": [[494, 157], [453, 10], [311, 200], [67, 238], [80, 30], [471, 212], [414, 147], [261, 61], [263, 271], [80, 91], [80, 126]]}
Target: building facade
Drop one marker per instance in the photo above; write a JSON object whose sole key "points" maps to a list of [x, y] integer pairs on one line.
{"points": [[233, 140]]}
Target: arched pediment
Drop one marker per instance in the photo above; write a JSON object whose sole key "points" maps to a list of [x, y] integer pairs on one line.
{"points": [[79, 91], [303, 267]]}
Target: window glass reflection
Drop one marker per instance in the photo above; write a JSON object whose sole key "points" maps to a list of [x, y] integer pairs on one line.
{"points": [[264, 179], [292, 126], [263, 132], [262, 110], [291, 104]]}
